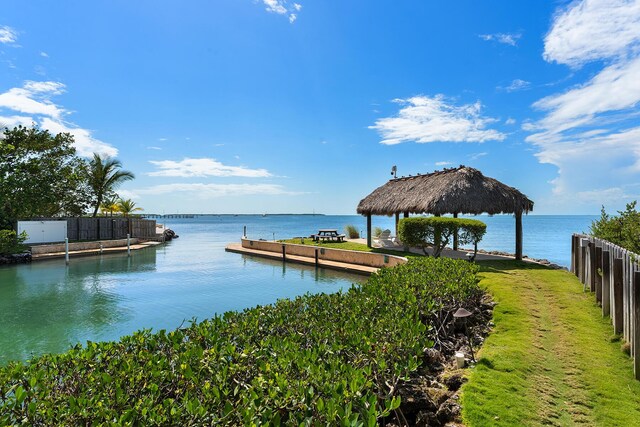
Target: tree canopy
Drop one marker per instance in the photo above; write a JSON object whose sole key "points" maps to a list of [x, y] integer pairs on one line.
{"points": [[40, 175], [622, 229]]}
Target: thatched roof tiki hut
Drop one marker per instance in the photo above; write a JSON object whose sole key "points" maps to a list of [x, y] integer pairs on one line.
{"points": [[461, 190]]}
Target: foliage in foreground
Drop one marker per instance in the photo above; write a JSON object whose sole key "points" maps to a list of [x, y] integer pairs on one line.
{"points": [[622, 230], [11, 242], [323, 359], [436, 232]]}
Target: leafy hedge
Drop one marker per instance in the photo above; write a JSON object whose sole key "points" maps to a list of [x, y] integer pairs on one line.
{"points": [[11, 242], [622, 229], [317, 359], [437, 231]]}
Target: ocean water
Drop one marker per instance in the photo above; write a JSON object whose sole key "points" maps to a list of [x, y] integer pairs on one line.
{"points": [[545, 236], [47, 306]]}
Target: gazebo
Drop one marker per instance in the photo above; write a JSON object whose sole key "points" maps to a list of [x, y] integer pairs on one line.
{"points": [[461, 190]]}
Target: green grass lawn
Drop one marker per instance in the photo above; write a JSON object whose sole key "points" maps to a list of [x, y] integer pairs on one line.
{"points": [[551, 358]]}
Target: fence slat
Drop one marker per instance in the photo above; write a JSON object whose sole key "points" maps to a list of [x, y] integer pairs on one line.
{"points": [[606, 283], [597, 273], [635, 341], [617, 295]]}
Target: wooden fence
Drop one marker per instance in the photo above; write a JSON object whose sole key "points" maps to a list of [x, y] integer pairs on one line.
{"points": [[107, 228], [613, 274]]}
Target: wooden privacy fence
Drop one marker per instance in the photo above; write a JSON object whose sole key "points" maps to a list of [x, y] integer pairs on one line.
{"points": [[106, 228], [613, 274]]}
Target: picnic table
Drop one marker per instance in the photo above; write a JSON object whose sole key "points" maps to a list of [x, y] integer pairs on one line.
{"points": [[328, 234]]}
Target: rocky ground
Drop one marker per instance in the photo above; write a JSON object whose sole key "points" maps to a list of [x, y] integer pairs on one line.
{"points": [[430, 397], [15, 259]]}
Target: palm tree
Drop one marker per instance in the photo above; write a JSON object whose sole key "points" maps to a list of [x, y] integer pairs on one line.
{"points": [[105, 176], [126, 207], [109, 204]]}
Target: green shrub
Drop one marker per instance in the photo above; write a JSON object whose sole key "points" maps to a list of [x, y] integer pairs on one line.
{"points": [[352, 232], [11, 243], [436, 232], [314, 360], [622, 230]]}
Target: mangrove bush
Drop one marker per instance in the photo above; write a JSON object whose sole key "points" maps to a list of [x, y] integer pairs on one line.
{"points": [[322, 359]]}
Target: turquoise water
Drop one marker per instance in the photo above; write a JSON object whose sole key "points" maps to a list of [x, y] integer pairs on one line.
{"points": [[47, 306]]}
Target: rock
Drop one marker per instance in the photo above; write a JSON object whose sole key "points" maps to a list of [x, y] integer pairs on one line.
{"points": [[170, 234], [454, 381], [427, 419], [22, 258], [432, 356], [448, 411]]}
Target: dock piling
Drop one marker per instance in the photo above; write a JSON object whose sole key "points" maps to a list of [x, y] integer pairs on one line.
{"points": [[66, 250]]}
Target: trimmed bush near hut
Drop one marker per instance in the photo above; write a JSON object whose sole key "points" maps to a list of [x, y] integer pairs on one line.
{"points": [[322, 359], [436, 232]]}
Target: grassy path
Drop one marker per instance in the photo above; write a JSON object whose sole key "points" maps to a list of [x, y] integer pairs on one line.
{"points": [[551, 359]]}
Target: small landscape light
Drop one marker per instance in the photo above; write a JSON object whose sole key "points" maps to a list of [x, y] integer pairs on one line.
{"points": [[463, 313]]}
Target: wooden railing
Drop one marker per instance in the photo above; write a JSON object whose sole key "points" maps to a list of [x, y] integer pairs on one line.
{"points": [[613, 274]]}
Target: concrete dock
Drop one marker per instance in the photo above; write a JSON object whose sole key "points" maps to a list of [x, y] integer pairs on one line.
{"points": [[92, 252], [334, 265]]}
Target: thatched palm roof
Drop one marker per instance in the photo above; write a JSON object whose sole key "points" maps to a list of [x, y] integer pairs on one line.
{"points": [[461, 190]]}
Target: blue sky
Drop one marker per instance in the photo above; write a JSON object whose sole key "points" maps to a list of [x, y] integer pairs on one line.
{"points": [[253, 106]]}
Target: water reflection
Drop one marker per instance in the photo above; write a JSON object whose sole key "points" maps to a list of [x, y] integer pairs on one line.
{"points": [[48, 306], [324, 275]]}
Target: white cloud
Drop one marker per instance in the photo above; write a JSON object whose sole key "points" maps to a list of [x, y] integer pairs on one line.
{"points": [[593, 29], [617, 87], [154, 148], [443, 163], [8, 35], [594, 123], [162, 139], [517, 85], [204, 167], [510, 121], [34, 99], [476, 156], [44, 54], [282, 7], [85, 143], [13, 121], [510, 39], [426, 119], [606, 196], [208, 191]]}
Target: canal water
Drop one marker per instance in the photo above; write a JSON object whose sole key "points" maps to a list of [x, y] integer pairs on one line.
{"points": [[47, 306]]}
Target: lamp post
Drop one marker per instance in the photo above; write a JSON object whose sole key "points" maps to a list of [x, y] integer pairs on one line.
{"points": [[462, 313]]}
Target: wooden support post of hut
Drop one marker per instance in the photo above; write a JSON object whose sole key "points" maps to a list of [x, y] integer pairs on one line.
{"points": [[462, 190], [455, 235], [369, 244], [397, 221], [519, 235]]}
